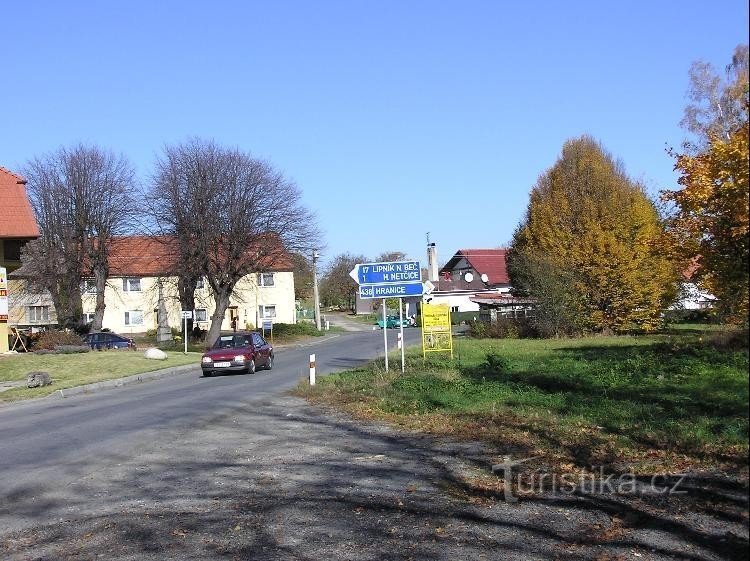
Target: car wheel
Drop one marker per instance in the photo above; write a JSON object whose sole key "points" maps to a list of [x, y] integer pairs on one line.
{"points": [[207, 373], [269, 364], [251, 366]]}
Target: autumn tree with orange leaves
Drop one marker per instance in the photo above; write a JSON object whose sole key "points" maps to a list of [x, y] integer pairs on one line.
{"points": [[709, 225], [587, 248]]}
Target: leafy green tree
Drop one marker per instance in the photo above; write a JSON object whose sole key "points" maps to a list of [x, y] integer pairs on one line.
{"points": [[337, 288], [587, 248]]}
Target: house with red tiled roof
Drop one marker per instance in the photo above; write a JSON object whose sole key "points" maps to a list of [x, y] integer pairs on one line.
{"points": [[139, 264], [17, 227], [17, 222], [469, 273]]}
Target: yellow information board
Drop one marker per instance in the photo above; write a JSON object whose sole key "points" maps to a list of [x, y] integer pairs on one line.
{"points": [[436, 329]]}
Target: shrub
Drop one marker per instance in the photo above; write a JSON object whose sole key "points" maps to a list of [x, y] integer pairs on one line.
{"points": [[292, 329], [51, 339], [503, 328], [71, 349]]}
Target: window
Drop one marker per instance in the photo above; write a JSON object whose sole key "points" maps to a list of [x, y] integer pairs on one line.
{"points": [[37, 314], [267, 311], [131, 284], [265, 279], [201, 284], [88, 318], [12, 249], [134, 317], [88, 286], [201, 314], [454, 309]]}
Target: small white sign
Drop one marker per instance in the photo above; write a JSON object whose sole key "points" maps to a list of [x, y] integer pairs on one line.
{"points": [[186, 314], [428, 287]]}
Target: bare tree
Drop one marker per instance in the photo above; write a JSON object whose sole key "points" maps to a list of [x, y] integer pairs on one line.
{"points": [[717, 104], [82, 200], [232, 215]]}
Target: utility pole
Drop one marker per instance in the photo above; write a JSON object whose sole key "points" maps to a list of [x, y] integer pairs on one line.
{"points": [[315, 288]]}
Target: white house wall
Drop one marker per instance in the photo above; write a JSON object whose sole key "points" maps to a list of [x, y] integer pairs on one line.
{"points": [[462, 301], [245, 302]]}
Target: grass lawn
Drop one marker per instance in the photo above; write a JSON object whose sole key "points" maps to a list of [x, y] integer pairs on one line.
{"points": [[72, 370], [669, 402]]}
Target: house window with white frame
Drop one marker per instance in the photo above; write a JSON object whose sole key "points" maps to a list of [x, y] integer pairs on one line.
{"points": [[200, 284], [265, 279], [88, 318], [267, 311], [88, 286], [37, 314], [134, 317], [131, 284], [201, 314]]}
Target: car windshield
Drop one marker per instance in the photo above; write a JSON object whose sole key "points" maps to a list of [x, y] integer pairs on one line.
{"points": [[231, 342]]}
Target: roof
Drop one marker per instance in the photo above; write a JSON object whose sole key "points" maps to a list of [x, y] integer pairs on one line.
{"points": [[500, 300], [490, 262], [150, 256], [16, 216]]}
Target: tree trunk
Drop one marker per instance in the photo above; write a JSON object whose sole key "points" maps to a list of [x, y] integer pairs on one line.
{"points": [[186, 289], [101, 285], [222, 303]]}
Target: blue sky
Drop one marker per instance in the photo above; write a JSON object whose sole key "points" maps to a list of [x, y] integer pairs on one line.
{"points": [[394, 118]]}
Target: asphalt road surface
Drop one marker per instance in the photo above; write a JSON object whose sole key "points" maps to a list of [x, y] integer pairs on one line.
{"points": [[230, 468]]}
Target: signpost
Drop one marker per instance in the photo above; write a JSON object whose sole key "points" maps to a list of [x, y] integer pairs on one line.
{"points": [[3, 310], [186, 315], [268, 324], [394, 279]]}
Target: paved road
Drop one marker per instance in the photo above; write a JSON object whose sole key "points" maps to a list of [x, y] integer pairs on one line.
{"points": [[47, 441]]}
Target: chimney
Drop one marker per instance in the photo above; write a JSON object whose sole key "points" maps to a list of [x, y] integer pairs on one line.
{"points": [[432, 262]]}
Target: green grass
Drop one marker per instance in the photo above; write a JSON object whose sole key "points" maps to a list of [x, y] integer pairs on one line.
{"points": [[72, 370], [640, 399]]}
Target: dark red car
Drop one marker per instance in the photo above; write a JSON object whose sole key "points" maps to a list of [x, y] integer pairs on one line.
{"points": [[242, 352]]}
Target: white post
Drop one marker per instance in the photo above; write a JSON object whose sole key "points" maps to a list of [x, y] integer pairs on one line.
{"points": [[385, 335], [401, 334], [312, 370], [186, 334], [316, 297]]}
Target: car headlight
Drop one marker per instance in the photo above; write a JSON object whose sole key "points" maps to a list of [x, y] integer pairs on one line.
{"points": [[239, 358], [206, 360]]}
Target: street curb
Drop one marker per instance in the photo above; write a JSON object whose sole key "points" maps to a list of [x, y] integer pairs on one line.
{"points": [[147, 376], [116, 383]]}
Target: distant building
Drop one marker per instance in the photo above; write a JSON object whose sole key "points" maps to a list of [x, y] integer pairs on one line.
{"points": [[470, 273]]}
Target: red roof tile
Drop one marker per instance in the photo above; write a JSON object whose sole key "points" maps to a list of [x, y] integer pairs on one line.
{"points": [[16, 216], [149, 256], [490, 262]]}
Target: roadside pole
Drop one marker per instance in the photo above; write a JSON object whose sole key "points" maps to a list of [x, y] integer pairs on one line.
{"points": [[385, 334], [186, 315], [401, 327], [186, 334], [312, 370]]}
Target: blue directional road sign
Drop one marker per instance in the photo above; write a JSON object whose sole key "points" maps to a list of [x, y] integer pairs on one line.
{"points": [[394, 290], [393, 272]]}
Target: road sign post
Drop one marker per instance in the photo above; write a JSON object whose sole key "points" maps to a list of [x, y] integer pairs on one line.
{"points": [[393, 279], [186, 315]]}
